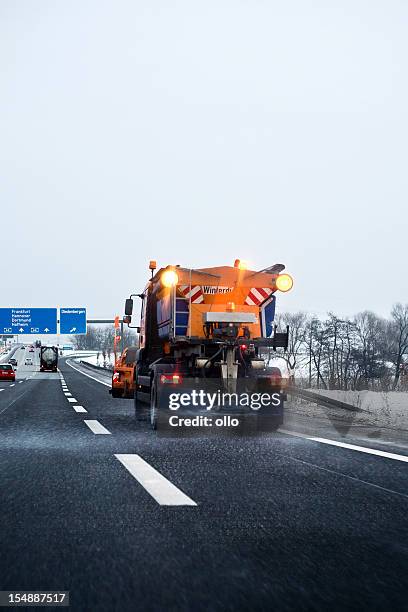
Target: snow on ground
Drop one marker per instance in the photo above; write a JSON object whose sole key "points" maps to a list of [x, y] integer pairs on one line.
{"points": [[98, 360], [71, 353], [383, 409], [5, 354], [386, 409], [390, 405]]}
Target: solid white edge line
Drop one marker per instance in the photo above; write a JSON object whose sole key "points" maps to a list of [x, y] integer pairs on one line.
{"points": [[96, 427], [161, 489], [361, 449], [88, 375], [79, 409]]}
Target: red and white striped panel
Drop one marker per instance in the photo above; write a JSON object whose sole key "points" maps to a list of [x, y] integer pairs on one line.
{"points": [[195, 293], [257, 295]]}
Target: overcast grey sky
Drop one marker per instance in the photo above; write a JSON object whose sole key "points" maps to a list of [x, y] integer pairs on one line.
{"points": [[197, 132]]}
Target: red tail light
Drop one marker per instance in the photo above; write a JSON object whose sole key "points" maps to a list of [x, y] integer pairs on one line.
{"points": [[171, 379], [276, 380], [115, 377]]}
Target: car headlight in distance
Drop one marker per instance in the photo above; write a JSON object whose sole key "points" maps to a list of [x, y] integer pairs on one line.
{"points": [[169, 278], [284, 282]]}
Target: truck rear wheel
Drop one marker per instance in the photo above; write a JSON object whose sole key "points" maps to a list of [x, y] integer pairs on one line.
{"points": [[153, 405], [141, 410]]}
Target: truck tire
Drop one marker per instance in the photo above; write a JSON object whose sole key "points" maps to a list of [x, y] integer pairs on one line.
{"points": [[141, 410], [153, 405]]}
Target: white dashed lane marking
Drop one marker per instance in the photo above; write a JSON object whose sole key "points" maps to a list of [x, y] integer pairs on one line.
{"points": [[96, 427], [72, 400], [161, 489], [79, 409]]}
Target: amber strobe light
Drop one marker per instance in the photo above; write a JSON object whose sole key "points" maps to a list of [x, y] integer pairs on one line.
{"points": [[169, 278], [284, 282], [241, 264]]}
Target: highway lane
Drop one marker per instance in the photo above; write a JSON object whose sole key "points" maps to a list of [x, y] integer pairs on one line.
{"points": [[280, 522], [22, 370]]}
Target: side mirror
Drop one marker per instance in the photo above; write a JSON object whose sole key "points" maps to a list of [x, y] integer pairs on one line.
{"points": [[128, 306]]}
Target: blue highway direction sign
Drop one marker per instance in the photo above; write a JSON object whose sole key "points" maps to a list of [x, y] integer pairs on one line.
{"points": [[73, 321], [28, 320]]}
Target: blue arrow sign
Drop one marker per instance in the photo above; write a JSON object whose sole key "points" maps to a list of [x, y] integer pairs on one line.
{"points": [[73, 321], [28, 320]]}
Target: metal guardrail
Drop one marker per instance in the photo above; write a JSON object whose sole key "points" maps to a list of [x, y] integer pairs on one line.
{"points": [[323, 400], [96, 367], [10, 353]]}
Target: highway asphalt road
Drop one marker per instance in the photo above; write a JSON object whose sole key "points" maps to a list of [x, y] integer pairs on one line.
{"points": [[100, 506]]}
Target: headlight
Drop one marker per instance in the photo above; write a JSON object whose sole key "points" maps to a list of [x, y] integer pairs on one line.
{"points": [[169, 278], [284, 282]]}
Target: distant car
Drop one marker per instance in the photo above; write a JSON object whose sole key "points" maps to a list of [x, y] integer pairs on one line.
{"points": [[28, 361], [31, 350], [22, 347], [7, 372], [13, 361]]}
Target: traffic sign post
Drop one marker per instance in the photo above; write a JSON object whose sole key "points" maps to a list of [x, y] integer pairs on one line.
{"points": [[72, 321], [17, 321]]}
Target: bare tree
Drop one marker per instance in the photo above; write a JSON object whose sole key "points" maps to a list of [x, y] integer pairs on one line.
{"points": [[398, 329], [297, 322], [369, 353], [101, 338]]}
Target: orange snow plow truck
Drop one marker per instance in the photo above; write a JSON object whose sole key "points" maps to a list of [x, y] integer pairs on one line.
{"points": [[207, 328], [123, 375]]}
